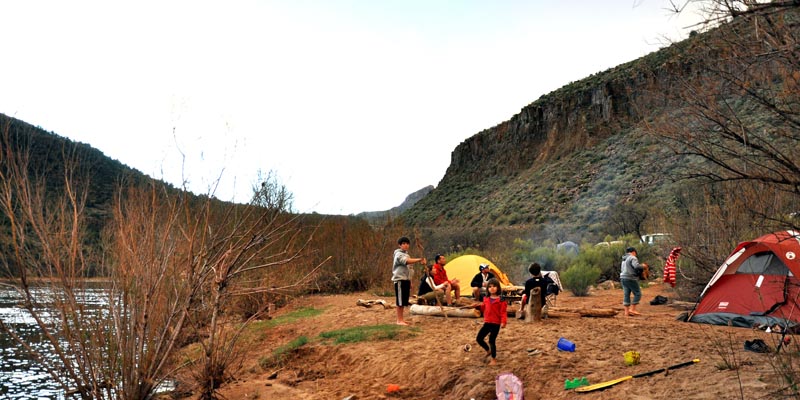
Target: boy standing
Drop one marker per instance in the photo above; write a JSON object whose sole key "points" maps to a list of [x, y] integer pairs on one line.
{"points": [[401, 276]]}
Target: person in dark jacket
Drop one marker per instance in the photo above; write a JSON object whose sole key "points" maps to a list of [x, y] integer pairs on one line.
{"points": [[429, 293], [536, 280], [480, 280]]}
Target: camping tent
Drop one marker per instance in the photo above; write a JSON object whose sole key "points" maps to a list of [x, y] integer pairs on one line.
{"points": [[757, 285], [464, 269]]}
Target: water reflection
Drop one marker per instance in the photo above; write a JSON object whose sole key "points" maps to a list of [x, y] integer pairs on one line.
{"points": [[20, 376]]}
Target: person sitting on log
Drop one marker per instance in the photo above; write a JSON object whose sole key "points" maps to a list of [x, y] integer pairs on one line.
{"points": [[440, 278], [429, 293], [536, 280]]}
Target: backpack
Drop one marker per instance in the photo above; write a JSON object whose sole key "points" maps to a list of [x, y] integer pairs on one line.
{"points": [[508, 387]]}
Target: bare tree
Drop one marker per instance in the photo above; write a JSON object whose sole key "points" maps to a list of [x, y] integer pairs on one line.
{"points": [[175, 263], [628, 218], [734, 120], [739, 116]]}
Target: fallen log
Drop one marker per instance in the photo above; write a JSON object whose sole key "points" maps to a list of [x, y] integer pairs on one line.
{"points": [[584, 312], [562, 314], [370, 303], [437, 311]]}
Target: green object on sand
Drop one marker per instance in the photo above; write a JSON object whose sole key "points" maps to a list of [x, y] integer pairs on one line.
{"points": [[574, 383]]}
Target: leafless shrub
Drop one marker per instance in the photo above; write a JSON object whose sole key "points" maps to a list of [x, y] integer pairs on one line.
{"points": [[175, 263]]}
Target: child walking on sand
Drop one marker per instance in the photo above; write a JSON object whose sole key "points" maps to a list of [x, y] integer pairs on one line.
{"points": [[494, 318]]}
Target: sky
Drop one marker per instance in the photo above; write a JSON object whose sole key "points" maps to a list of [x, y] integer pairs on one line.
{"points": [[352, 104]]}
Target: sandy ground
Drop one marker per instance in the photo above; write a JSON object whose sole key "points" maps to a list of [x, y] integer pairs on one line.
{"points": [[429, 362]]}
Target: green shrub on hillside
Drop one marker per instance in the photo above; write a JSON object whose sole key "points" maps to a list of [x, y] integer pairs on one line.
{"points": [[579, 277], [606, 258]]}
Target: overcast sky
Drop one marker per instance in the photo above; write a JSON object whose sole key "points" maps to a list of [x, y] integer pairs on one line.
{"points": [[354, 104]]}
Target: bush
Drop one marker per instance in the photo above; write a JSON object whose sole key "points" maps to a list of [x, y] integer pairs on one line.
{"points": [[579, 277], [606, 258]]}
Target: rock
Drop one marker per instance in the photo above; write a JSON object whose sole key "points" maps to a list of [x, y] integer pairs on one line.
{"points": [[607, 285]]}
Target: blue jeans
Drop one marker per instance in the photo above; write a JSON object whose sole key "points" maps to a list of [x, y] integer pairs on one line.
{"points": [[630, 286]]}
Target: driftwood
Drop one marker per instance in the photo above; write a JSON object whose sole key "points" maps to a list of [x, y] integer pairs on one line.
{"points": [[437, 311], [581, 312], [370, 303], [562, 314], [533, 310]]}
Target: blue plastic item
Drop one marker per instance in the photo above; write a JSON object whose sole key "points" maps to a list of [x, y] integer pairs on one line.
{"points": [[565, 345]]}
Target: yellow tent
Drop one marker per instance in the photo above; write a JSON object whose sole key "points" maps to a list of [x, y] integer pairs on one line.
{"points": [[464, 269]]}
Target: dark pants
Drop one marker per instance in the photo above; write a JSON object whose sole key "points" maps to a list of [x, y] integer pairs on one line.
{"points": [[402, 291], [492, 330]]}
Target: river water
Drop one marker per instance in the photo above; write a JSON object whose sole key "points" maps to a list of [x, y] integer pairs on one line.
{"points": [[20, 376]]}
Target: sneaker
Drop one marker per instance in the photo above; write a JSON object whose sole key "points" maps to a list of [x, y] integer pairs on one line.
{"points": [[756, 346]]}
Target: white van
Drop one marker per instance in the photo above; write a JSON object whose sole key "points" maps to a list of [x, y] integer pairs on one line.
{"points": [[653, 238]]}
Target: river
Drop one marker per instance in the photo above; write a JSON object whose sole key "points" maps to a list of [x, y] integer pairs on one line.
{"points": [[20, 376]]}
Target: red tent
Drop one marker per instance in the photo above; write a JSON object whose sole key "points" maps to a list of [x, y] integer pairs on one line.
{"points": [[757, 285]]}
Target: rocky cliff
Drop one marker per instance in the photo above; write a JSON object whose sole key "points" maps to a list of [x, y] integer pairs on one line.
{"points": [[569, 157]]}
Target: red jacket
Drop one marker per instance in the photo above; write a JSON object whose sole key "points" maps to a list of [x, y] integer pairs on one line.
{"points": [[439, 274], [494, 311]]}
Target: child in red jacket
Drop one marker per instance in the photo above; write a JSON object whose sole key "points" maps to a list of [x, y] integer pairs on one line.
{"points": [[494, 318]]}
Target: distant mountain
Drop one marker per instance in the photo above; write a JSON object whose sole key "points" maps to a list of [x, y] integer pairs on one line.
{"points": [[380, 217]]}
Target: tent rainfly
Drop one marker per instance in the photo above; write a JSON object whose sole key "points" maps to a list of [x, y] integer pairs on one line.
{"points": [[465, 267], [757, 285]]}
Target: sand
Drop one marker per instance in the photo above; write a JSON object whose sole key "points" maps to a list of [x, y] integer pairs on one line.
{"points": [[428, 360]]}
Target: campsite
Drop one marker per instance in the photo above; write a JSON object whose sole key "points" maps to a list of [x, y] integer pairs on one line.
{"points": [[429, 359]]}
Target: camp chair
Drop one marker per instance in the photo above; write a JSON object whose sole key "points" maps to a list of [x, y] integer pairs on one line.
{"points": [[552, 294]]}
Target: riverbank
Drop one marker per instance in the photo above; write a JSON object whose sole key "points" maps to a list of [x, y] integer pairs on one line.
{"points": [[427, 360]]}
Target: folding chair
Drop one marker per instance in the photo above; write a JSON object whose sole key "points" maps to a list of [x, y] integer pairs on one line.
{"points": [[552, 294]]}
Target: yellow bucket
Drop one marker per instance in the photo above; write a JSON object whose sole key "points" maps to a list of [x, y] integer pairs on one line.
{"points": [[632, 358]]}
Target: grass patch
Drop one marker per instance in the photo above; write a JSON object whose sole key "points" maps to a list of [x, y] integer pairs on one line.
{"points": [[279, 355], [362, 333]]}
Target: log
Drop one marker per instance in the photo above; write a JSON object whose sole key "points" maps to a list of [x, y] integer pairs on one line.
{"points": [[436, 311], [370, 303], [585, 312], [562, 314]]}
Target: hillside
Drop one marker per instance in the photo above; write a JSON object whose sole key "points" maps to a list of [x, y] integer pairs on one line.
{"points": [[567, 160], [96, 172]]}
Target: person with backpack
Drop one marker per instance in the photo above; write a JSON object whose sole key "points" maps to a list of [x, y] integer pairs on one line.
{"points": [[629, 279], [494, 318]]}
